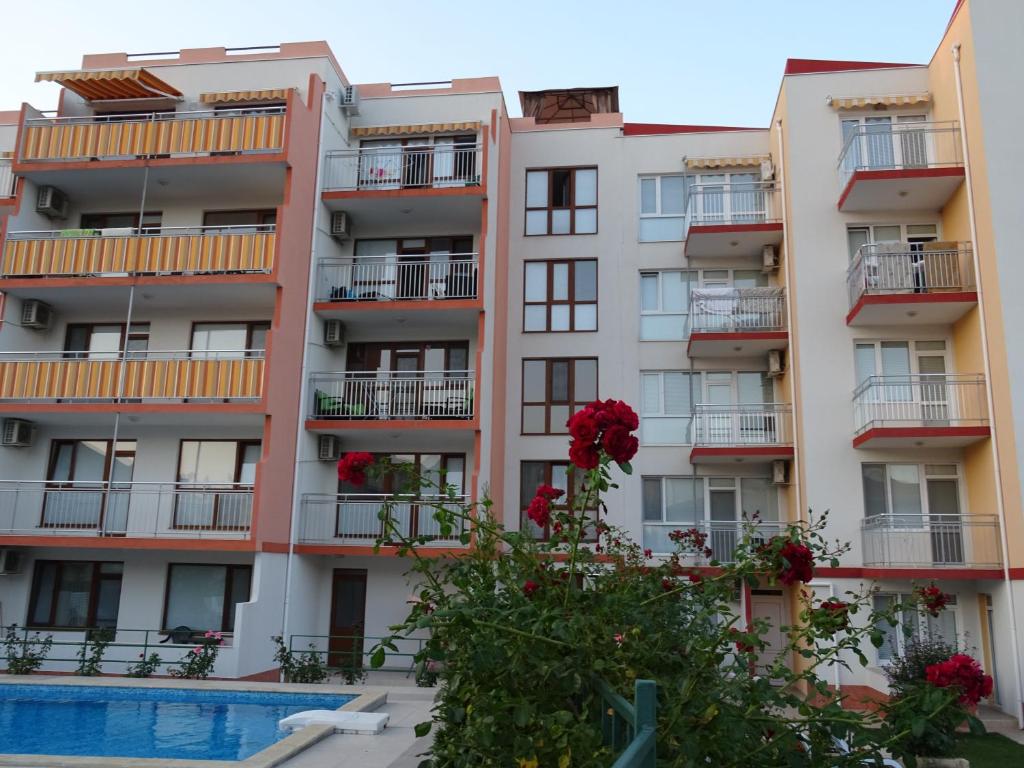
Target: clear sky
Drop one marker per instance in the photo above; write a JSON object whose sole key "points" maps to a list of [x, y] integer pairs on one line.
{"points": [[675, 61]]}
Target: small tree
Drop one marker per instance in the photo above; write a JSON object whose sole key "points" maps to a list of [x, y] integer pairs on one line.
{"points": [[25, 654], [199, 662], [90, 655], [303, 667]]}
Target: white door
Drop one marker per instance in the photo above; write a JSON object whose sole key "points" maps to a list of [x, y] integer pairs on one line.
{"points": [[771, 608]]}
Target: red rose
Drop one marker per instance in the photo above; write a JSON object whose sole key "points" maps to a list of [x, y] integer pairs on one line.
{"points": [[625, 416], [583, 427], [962, 672], [797, 563], [549, 492], [667, 585], [932, 599], [539, 510], [530, 587], [584, 455], [619, 444], [739, 640], [352, 467], [648, 554]]}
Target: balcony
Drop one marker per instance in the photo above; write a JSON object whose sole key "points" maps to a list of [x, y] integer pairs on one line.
{"points": [[911, 166], [152, 135], [723, 536], [186, 377], [937, 541], [890, 284], [352, 520], [756, 432], [938, 410], [438, 167], [737, 322], [732, 220], [380, 398], [7, 181], [112, 253], [126, 510]]}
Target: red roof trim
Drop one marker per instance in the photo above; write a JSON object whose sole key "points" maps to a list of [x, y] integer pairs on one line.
{"points": [[651, 129], [810, 66]]}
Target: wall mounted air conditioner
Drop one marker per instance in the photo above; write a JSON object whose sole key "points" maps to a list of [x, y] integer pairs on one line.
{"points": [[769, 259], [11, 561], [348, 100], [36, 314], [776, 362], [334, 333], [341, 225], [16, 433], [328, 448], [780, 472], [52, 203]]}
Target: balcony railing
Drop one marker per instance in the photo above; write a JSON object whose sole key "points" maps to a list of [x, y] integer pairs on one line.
{"points": [[6, 178], [739, 425], [130, 251], [393, 278], [354, 519], [393, 395], [900, 147], [901, 268], [749, 202], [153, 135], [143, 377], [723, 536], [129, 509], [922, 400], [943, 541], [737, 310], [434, 167]]}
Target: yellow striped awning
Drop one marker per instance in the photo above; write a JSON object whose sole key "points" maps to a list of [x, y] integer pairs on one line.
{"points": [[741, 161], [112, 84], [403, 130], [891, 100], [234, 97]]}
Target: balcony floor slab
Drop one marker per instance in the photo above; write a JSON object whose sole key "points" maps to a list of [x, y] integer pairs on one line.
{"points": [[881, 438], [911, 189], [731, 240], [736, 344], [739, 454], [911, 308]]}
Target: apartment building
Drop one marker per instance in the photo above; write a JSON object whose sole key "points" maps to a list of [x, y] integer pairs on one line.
{"points": [[238, 262]]}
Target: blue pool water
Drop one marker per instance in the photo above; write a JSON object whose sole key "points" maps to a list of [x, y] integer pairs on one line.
{"points": [[165, 723]]}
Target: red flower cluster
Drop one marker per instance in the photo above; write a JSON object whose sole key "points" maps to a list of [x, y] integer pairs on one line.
{"points": [[530, 587], [797, 563], [692, 539], [963, 672], [603, 426], [738, 641], [539, 509], [832, 615], [352, 467], [932, 599]]}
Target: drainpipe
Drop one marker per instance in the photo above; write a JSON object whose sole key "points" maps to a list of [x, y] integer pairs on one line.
{"points": [[789, 319], [993, 422]]}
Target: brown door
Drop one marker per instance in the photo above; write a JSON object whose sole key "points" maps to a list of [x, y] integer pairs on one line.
{"points": [[348, 616]]}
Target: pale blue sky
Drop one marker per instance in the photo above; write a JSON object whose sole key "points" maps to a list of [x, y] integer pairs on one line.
{"points": [[675, 61]]}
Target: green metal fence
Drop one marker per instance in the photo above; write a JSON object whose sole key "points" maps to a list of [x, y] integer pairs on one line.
{"points": [[408, 647], [127, 646], [630, 729]]}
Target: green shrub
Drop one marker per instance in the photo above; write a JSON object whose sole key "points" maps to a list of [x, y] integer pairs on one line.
{"points": [[90, 655], [303, 667], [25, 654]]}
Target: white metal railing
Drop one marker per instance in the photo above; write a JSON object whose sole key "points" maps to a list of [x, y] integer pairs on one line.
{"points": [[920, 400], [132, 376], [743, 424], [437, 166], [7, 178], [354, 518], [722, 536], [894, 268], [130, 509], [747, 202], [390, 278], [956, 541], [899, 146], [737, 310], [127, 232], [390, 395]]}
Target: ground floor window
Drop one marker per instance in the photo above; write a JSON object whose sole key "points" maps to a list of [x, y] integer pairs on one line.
{"points": [[912, 625], [75, 594], [204, 597]]}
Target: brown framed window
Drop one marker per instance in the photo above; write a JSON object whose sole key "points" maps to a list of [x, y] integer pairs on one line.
{"points": [[204, 596], [560, 295], [553, 390], [558, 474], [151, 221], [88, 485], [240, 222], [215, 481], [452, 357], [104, 341], [228, 340], [75, 594], [439, 468], [561, 201]]}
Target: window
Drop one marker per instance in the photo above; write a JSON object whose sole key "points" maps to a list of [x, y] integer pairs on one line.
{"points": [[903, 237], [229, 340], [428, 161], [104, 341], [205, 597], [122, 221], [553, 390], [911, 625], [662, 208], [76, 493], [664, 305], [558, 474], [438, 468], [561, 201], [449, 357], [666, 401], [68, 594], [263, 108], [215, 479], [884, 142], [735, 197], [899, 360], [560, 295], [239, 222]]}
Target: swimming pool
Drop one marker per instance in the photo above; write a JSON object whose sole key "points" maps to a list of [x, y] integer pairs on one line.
{"points": [[168, 723]]}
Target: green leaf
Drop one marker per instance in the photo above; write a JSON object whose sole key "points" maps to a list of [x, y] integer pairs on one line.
{"points": [[521, 715], [977, 727], [917, 727], [377, 658], [877, 638], [422, 729], [626, 467]]}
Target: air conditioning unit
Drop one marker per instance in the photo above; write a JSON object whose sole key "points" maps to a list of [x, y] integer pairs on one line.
{"points": [[17, 433], [36, 315], [348, 100], [769, 259], [334, 333], [780, 472], [11, 561], [329, 449], [52, 203], [341, 225], [776, 363]]}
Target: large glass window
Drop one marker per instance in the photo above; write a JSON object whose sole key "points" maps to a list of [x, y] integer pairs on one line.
{"points": [[558, 474], [75, 594], [88, 484], [664, 305], [215, 480], [104, 341], [666, 406], [225, 340], [553, 390], [560, 295], [113, 224], [239, 222], [561, 201], [204, 596], [662, 208], [911, 626]]}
